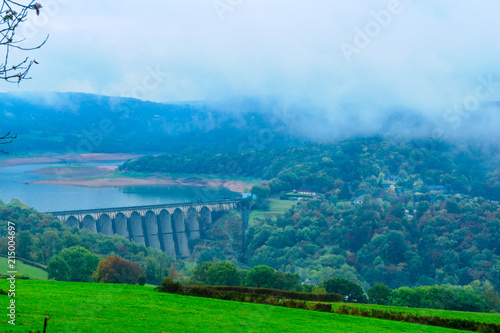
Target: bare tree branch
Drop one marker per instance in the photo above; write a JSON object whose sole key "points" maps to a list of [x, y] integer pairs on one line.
{"points": [[12, 15], [6, 139]]}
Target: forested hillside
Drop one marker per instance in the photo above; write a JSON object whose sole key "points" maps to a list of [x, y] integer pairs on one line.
{"points": [[449, 240], [363, 164], [85, 123], [403, 213], [41, 237], [394, 211]]}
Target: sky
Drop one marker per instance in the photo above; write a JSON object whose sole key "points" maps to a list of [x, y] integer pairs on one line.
{"points": [[423, 55]]}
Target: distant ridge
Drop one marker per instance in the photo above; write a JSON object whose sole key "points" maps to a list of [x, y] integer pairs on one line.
{"points": [[88, 123]]}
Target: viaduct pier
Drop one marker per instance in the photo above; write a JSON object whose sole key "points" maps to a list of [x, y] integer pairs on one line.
{"points": [[171, 227]]}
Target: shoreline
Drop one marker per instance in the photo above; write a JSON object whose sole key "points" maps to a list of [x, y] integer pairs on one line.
{"points": [[98, 176], [233, 185], [54, 158]]}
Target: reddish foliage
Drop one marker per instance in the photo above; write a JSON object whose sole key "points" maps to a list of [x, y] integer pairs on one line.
{"points": [[117, 270]]}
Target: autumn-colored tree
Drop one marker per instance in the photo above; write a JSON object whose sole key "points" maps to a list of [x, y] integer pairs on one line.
{"points": [[117, 270]]}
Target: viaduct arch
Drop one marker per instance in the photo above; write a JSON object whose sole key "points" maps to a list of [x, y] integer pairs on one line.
{"points": [[171, 228]]}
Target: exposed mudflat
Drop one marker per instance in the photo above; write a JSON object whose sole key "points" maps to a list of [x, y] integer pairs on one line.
{"points": [[106, 176], [61, 171], [66, 158], [232, 185]]}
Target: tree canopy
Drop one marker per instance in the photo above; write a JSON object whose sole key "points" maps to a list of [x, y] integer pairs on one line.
{"points": [[117, 270], [78, 262], [350, 290]]}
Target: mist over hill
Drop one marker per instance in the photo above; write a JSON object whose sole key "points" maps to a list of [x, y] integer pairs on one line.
{"points": [[83, 123]]}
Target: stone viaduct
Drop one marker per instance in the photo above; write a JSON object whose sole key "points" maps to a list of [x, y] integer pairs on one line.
{"points": [[170, 228]]}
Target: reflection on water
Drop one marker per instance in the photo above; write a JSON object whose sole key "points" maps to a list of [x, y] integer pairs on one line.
{"points": [[14, 183]]}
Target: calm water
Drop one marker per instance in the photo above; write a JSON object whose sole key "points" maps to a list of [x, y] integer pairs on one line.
{"points": [[14, 183]]}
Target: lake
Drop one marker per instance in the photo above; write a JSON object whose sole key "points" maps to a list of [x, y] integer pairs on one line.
{"points": [[14, 183]]}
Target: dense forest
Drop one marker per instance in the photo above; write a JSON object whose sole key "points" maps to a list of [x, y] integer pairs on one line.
{"points": [[363, 164], [356, 251], [402, 213], [452, 240]]}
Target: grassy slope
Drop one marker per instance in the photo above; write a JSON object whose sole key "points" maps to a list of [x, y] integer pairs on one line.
{"points": [[31, 271], [92, 307], [276, 207], [481, 317]]}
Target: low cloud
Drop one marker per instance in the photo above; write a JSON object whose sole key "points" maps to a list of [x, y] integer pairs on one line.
{"points": [[411, 58]]}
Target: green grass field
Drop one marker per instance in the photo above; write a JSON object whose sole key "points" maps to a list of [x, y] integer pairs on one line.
{"points": [[93, 307], [276, 207], [31, 271], [493, 318]]}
